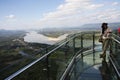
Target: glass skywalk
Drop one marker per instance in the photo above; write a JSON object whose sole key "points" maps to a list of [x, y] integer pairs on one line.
{"points": [[75, 58]]}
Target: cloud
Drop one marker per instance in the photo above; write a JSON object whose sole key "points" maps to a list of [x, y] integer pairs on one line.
{"points": [[71, 13], [108, 15], [11, 16], [10, 22], [115, 3]]}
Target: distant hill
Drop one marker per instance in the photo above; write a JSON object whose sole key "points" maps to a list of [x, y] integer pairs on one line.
{"points": [[85, 27], [97, 26], [5, 33]]}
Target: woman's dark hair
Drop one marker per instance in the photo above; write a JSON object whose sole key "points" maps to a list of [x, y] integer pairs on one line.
{"points": [[104, 27]]}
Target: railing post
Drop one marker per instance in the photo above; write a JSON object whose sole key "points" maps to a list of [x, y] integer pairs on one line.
{"points": [[47, 64], [116, 48], [75, 73], [94, 47], [74, 55], [81, 44], [81, 41], [82, 49], [74, 46], [66, 50]]}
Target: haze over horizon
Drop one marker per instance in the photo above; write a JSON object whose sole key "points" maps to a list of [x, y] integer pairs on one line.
{"points": [[38, 14]]}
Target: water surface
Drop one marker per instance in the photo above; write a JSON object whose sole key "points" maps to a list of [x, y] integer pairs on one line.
{"points": [[34, 37]]}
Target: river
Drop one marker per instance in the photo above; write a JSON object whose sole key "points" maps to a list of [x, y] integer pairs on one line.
{"points": [[34, 37]]}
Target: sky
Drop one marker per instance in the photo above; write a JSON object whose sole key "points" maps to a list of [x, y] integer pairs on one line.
{"points": [[39, 14]]}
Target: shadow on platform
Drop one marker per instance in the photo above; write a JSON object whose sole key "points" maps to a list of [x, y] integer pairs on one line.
{"points": [[105, 71]]}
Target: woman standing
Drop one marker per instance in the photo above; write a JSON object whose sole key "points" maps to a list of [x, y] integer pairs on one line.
{"points": [[106, 35]]}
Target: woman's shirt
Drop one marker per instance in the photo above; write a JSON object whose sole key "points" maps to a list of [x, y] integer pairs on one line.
{"points": [[107, 33]]}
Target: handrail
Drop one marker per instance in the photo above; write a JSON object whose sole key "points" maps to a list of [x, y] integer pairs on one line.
{"points": [[116, 40], [116, 36], [34, 62], [68, 68], [115, 68], [112, 59], [83, 53]]}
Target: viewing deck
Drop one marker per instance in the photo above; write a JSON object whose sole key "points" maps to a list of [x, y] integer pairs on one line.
{"points": [[75, 58], [96, 71]]}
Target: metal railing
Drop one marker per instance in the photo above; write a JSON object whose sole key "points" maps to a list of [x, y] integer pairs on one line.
{"points": [[67, 59], [114, 58], [55, 63], [115, 74]]}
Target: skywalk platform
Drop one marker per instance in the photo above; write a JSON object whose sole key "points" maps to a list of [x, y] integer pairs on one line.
{"points": [[99, 71], [92, 73]]}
